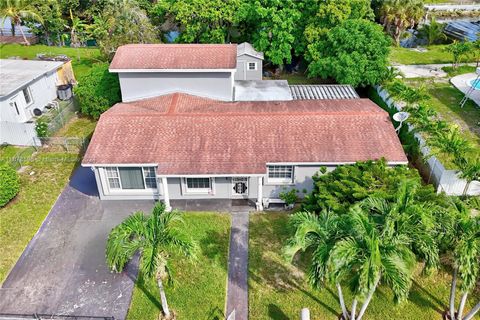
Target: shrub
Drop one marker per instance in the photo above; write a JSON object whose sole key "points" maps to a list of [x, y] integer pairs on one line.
{"points": [[97, 90], [9, 184], [290, 197], [41, 127], [339, 189]]}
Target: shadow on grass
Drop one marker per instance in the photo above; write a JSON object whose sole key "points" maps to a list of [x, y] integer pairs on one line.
{"points": [[213, 244], [417, 296], [276, 313]]}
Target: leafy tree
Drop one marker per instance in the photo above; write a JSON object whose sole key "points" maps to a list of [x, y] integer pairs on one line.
{"points": [[433, 32], [273, 25], [398, 15], [339, 189], [321, 16], [451, 141], [51, 30], [77, 31], [200, 21], [475, 53], [458, 51], [18, 11], [121, 22], [98, 90], [355, 53], [156, 237], [470, 171], [9, 184]]}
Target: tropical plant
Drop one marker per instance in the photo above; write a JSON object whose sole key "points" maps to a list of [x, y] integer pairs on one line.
{"points": [[18, 11], [52, 28], [458, 51], [432, 32], [156, 237], [450, 141], [339, 189], [77, 30], [354, 249], [41, 127], [398, 15], [466, 261], [9, 184], [470, 170]]}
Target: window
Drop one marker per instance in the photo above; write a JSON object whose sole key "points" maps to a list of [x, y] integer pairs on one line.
{"points": [[198, 185], [150, 177], [26, 94], [252, 66], [113, 178], [280, 174], [128, 178]]}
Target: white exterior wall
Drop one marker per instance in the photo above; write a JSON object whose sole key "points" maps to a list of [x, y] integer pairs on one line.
{"points": [[142, 85], [42, 91]]}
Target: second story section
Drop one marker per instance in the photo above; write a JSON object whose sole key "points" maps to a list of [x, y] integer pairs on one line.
{"points": [[149, 70]]}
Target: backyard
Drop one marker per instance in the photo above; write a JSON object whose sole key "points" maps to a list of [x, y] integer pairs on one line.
{"points": [[42, 178], [278, 290], [434, 54], [82, 58]]}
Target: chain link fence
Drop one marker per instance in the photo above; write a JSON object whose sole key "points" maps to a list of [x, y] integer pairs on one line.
{"points": [[57, 117]]}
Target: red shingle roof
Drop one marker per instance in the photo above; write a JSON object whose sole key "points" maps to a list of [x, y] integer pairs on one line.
{"points": [[184, 134], [175, 56]]}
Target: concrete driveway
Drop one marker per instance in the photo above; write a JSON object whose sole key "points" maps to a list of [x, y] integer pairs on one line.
{"points": [[63, 270]]}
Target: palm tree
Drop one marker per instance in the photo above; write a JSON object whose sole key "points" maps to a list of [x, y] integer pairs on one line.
{"points": [[319, 232], [470, 171], [18, 11], [398, 15], [458, 50], [466, 260], [155, 236], [450, 141], [433, 32]]}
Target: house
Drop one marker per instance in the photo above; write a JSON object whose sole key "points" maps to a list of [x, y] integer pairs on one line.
{"points": [[149, 70], [26, 88], [180, 146], [249, 63]]}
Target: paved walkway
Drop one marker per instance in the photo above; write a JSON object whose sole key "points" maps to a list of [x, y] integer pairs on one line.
{"points": [[63, 270], [237, 284], [425, 70]]}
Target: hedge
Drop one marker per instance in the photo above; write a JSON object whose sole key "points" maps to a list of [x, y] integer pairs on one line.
{"points": [[9, 184]]}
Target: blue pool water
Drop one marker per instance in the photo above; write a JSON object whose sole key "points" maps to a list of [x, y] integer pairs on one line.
{"points": [[475, 84]]}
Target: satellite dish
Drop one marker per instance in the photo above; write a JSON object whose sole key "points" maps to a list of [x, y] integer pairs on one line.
{"points": [[400, 117]]}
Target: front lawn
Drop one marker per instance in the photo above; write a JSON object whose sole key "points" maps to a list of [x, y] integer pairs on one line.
{"points": [[88, 56], [40, 184], [279, 291], [434, 54], [200, 286]]}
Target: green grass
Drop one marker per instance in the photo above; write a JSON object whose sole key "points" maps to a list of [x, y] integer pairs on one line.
{"points": [[278, 290], [445, 99], [80, 127], [200, 286], [435, 54], [7, 152], [88, 56], [460, 70], [40, 185]]}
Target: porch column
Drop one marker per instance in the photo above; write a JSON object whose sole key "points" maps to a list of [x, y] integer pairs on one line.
{"points": [[260, 194], [166, 196]]}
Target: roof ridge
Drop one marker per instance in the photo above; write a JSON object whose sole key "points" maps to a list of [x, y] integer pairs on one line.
{"points": [[171, 111]]}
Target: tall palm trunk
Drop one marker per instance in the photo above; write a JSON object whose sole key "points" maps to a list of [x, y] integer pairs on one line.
{"points": [[472, 312], [342, 302], [23, 34], [462, 305], [452, 294], [163, 298], [367, 301], [354, 309]]}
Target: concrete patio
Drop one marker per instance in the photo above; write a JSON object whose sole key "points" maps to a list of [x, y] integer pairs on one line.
{"points": [[461, 82]]}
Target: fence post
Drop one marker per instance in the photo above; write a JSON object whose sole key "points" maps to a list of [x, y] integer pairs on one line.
{"points": [[305, 314]]}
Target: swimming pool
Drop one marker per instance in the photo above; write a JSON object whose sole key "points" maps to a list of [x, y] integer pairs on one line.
{"points": [[474, 83]]}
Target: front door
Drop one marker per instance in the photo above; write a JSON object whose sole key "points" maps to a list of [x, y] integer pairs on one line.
{"points": [[240, 186]]}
